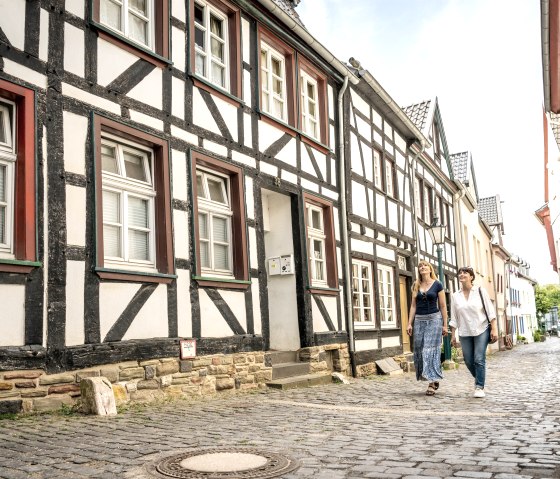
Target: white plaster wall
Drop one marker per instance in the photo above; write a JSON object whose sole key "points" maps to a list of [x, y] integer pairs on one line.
{"points": [[184, 135], [246, 40], [332, 309], [389, 148], [253, 259], [75, 334], [146, 120], [388, 130], [282, 301], [309, 185], [44, 34], [400, 142], [257, 320], [201, 113], [329, 193], [243, 159], [359, 104], [289, 177], [268, 134], [360, 246], [181, 233], [12, 320], [236, 301], [19, 71], [336, 224], [74, 50], [247, 95], [113, 299], [393, 216], [249, 198], [111, 61], [376, 118], [319, 325], [184, 311], [88, 98], [268, 168], [216, 148], [390, 342], [149, 90], [12, 21], [75, 215], [306, 164], [178, 48], [178, 10], [229, 114], [247, 131], [331, 100], [75, 7], [364, 128], [178, 98], [385, 253], [377, 137], [179, 176], [288, 154], [400, 159], [408, 223], [356, 158], [366, 344], [381, 213], [152, 320], [368, 161], [213, 324], [359, 200], [75, 139]]}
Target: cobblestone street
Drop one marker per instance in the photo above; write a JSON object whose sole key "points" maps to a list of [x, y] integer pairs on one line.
{"points": [[375, 428]]}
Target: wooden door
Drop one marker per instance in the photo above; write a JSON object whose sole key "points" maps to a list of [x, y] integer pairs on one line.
{"points": [[404, 313]]}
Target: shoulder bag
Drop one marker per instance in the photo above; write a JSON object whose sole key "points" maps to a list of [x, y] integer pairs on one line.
{"points": [[486, 314]]}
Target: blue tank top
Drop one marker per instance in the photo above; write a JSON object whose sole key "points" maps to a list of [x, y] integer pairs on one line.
{"points": [[427, 302]]}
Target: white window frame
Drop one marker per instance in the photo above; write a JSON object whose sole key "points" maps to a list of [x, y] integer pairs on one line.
{"points": [[389, 181], [307, 119], [8, 161], [386, 286], [361, 323], [124, 12], [127, 187], [377, 175], [214, 209], [427, 218], [313, 235], [417, 198], [206, 52], [267, 89]]}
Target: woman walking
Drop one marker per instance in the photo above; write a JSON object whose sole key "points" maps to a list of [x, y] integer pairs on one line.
{"points": [[473, 315], [428, 318]]}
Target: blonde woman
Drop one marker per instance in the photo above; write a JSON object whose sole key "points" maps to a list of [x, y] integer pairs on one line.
{"points": [[428, 319]]}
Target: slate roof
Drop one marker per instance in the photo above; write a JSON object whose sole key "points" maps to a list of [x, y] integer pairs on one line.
{"points": [[460, 165], [418, 113], [490, 210], [289, 6]]}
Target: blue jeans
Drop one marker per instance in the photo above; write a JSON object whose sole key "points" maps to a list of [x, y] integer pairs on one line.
{"points": [[474, 354]]}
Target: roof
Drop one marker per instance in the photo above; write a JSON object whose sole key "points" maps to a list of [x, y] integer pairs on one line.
{"points": [[460, 165], [419, 113], [490, 210], [289, 6]]}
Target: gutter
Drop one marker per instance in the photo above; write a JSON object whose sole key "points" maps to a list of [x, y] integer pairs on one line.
{"points": [[302, 33], [344, 231], [545, 44]]}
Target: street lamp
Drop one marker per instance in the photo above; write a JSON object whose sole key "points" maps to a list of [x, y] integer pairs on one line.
{"points": [[437, 234]]}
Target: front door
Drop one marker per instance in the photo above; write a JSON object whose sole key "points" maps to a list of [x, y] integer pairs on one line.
{"points": [[404, 313]]}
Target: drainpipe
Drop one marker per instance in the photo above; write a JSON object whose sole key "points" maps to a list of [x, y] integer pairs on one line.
{"points": [[458, 219], [344, 230], [414, 212]]}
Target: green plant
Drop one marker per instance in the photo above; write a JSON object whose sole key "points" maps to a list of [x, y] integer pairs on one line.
{"points": [[537, 335], [454, 353]]}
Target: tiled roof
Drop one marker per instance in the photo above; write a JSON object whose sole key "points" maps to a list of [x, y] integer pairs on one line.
{"points": [[289, 6], [460, 165], [418, 113], [490, 210]]}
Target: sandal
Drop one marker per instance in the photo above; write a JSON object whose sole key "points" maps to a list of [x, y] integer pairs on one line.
{"points": [[436, 385], [431, 391]]}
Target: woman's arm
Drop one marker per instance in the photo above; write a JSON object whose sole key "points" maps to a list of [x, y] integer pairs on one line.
{"points": [[443, 309], [411, 315]]}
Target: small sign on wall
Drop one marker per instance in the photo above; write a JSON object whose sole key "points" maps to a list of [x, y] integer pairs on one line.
{"points": [[187, 348]]}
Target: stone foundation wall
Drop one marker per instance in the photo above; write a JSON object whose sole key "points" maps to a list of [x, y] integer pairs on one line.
{"points": [[144, 381]]}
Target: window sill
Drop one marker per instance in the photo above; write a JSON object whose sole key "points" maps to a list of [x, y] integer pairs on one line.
{"points": [[214, 282], [323, 291], [18, 266], [136, 49], [364, 326], [134, 276], [204, 84]]}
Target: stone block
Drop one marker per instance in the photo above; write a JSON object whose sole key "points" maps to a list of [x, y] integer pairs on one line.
{"points": [[97, 396], [185, 366], [64, 389], [147, 384], [339, 378], [51, 403], [5, 386], [13, 393], [208, 385], [111, 373], [128, 364], [131, 386], [167, 367], [225, 383], [131, 373], [222, 369], [22, 374], [203, 372], [227, 360], [149, 362], [150, 371], [263, 376], [216, 361], [319, 367], [239, 359], [388, 366], [191, 390], [33, 393], [63, 378], [181, 381], [200, 363], [11, 407], [165, 381], [25, 384], [255, 368], [249, 386], [147, 395], [120, 394], [93, 373]]}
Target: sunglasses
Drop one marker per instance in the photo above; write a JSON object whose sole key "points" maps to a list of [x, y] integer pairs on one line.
{"points": [[466, 269]]}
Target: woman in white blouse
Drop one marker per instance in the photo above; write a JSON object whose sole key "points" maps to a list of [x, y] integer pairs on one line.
{"points": [[475, 332]]}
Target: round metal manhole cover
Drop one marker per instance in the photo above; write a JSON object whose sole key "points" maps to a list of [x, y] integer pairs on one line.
{"points": [[220, 463]]}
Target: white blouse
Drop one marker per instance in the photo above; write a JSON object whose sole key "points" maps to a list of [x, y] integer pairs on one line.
{"points": [[467, 314]]}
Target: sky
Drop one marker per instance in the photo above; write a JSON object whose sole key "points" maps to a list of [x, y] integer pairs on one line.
{"points": [[482, 59]]}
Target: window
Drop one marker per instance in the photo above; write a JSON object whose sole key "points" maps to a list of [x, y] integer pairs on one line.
{"points": [[220, 231], [362, 293], [17, 179], [273, 83], [386, 297], [390, 178], [427, 204], [128, 203], [377, 172], [134, 203], [143, 25], [216, 46], [309, 105], [418, 197], [214, 223], [320, 243]]}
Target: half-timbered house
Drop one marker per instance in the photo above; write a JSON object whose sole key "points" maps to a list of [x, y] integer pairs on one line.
{"points": [[170, 170]]}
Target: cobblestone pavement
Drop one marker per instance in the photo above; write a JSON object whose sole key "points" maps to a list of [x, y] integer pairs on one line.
{"points": [[384, 427]]}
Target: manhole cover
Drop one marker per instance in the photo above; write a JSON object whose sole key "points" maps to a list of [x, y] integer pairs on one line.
{"points": [[220, 463]]}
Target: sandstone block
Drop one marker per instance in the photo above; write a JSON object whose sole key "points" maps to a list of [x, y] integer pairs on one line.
{"points": [[168, 367], [22, 374], [87, 374], [13, 393], [33, 393], [149, 362], [5, 386], [63, 378], [319, 366], [64, 389], [165, 381], [131, 373], [148, 384], [131, 386], [25, 384], [51, 403], [222, 369], [181, 381], [128, 364], [191, 390], [199, 363], [97, 396], [120, 393], [239, 359], [227, 360], [111, 373], [147, 395], [209, 385], [263, 376], [224, 383]]}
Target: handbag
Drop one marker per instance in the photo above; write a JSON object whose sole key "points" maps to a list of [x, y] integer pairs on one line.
{"points": [[486, 314]]}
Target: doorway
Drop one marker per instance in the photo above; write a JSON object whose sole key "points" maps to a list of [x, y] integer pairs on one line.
{"points": [[403, 290]]}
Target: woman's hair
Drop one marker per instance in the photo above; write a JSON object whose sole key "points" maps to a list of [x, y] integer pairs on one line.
{"points": [[468, 270], [416, 285]]}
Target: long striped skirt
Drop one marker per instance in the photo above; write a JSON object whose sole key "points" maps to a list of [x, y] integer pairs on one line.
{"points": [[427, 346]]}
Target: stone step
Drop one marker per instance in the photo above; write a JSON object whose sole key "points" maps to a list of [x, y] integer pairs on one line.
{"points": [[301, 381], [278, 357], [286, 370]]}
